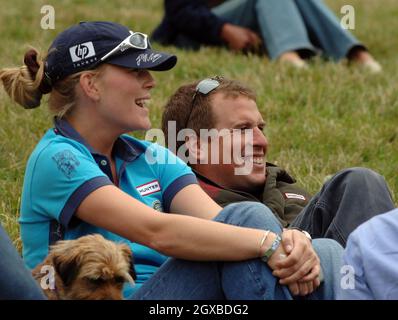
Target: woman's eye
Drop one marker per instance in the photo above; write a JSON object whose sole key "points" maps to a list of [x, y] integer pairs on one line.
{"points": [[133, 70]]}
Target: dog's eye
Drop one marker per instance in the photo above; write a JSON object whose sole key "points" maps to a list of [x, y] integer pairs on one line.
{"points": [[96, 282], [119, 280]]}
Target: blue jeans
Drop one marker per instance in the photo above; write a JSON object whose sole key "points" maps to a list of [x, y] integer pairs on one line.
{"points": [[247, 280], [291, 25], [16, 282], [348, 199]]}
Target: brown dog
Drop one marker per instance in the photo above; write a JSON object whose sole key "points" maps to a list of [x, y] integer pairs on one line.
{"points": [[88, 268]]}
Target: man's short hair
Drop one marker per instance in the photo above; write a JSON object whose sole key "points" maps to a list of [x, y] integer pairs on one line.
{"points": [[196, 114]]}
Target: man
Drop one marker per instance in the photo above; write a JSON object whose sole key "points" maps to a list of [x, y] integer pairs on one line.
{"points": [[349, 198]]}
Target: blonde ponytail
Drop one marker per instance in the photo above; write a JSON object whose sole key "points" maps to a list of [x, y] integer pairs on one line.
{"points": [[23, 84], [26, 86]]}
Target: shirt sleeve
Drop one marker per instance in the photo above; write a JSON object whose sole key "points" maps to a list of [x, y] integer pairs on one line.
{"points": [[195, 19], [63, 177], [372, 253], [173, 173]]}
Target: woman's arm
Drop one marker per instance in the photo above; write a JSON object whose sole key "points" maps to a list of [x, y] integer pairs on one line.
{"points": [[193, 201], [174, 235]]}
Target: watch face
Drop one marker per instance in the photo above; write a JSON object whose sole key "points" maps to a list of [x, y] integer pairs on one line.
{"points": [[307, 235]]}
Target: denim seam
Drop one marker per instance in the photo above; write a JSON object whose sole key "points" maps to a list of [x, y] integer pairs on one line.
{"points": [[257, 280]]}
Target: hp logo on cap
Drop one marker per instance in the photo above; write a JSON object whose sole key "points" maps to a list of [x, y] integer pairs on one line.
{"points": [[82, 51]]}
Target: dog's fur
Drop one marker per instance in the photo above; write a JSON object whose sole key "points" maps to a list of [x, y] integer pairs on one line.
{"points": [[88, 268]]}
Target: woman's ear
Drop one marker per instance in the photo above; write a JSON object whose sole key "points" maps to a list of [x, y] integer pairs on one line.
{"points": [[89, 84]]}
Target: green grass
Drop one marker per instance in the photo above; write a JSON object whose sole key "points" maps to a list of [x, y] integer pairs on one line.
{"points": [[319, 121]]}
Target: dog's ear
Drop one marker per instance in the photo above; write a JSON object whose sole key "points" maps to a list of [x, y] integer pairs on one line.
{"points": [[66, 269], [126, 251]]}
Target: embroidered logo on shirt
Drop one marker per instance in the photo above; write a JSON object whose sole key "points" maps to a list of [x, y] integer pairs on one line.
{"points": [[66, 162], [294, 196], [149, 188]]}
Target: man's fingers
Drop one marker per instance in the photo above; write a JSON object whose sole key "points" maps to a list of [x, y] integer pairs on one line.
{"points": [[294, 288], [292, 259], [303, 288], [287, 241], [313, 275], [299, 274], [317, 283], [286, 272]]}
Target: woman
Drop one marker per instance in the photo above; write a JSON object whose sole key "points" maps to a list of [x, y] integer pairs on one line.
{"points": [[87, 176]]}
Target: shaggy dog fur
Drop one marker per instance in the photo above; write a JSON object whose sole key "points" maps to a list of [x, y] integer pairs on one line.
{"points": [[88, 268]]}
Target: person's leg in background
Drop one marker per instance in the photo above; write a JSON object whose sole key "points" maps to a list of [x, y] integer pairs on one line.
{"points": [[326, 32], [349, 198], [251, 279], [16, 282], [278, 22]]}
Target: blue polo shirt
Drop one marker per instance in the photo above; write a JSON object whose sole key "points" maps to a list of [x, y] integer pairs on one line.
{"points": [[63, 169]]}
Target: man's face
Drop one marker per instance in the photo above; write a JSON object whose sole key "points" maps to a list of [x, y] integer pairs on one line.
{"points": [[237, 114]]}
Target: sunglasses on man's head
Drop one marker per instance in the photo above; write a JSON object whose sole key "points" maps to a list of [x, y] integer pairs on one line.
{"points": [[136, 40], [207, 85], [204, 87]]}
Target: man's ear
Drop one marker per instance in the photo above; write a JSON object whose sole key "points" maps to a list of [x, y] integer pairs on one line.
{"points": [[195, 149], [89, 85]]}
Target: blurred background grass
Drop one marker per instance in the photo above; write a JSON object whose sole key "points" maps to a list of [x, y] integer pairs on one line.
{"points": [[318, 121]]}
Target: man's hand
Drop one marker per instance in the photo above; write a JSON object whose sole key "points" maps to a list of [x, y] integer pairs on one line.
{"points": [[303, 288], [301, 268], [239, 38]]}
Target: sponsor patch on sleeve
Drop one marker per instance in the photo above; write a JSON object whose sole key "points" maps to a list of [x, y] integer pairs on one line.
{"points": [[294, 196], [149, 188]]}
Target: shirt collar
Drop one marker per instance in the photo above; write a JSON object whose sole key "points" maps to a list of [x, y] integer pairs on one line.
{"points": [[123, 148]]}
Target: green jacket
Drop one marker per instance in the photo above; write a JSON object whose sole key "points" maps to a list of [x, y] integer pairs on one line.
{"points": [[281, 194]]}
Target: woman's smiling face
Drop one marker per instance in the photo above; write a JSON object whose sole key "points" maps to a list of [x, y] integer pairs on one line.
{"points": [[124, 94]]}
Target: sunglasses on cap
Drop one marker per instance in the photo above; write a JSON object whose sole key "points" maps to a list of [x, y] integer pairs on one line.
{"points": [[204, 87], [136, 40]]}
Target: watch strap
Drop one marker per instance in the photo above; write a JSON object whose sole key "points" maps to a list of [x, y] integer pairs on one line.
{"points": [[272, 249]]}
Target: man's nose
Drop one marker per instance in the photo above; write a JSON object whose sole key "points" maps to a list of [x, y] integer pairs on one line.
{"points": [[259, 138]]}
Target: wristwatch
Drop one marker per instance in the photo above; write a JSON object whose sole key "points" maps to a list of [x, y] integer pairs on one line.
{"points": [[308, 236], [272, 249]]}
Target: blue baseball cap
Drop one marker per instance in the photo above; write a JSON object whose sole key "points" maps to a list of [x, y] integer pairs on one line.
{"points": [[83, 46]]}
